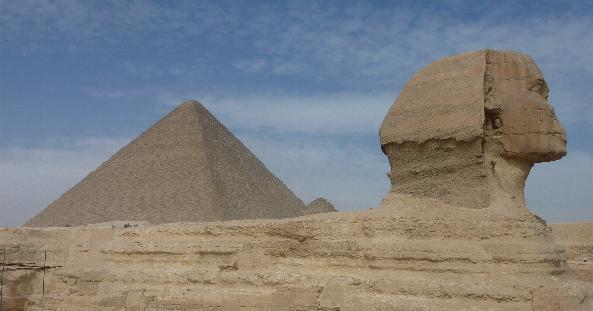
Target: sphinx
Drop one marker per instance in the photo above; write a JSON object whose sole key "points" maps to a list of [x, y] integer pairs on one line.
{"points": [[467, 129]]}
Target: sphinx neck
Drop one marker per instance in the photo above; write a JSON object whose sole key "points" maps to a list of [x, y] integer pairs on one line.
{"points": [[458, 173], [506, 182], [448, 170]]}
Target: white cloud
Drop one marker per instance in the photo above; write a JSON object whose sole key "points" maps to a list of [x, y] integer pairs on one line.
{"points": [[32, 177], [344, 113], [362, 48], [351, 43], [381, 49]]}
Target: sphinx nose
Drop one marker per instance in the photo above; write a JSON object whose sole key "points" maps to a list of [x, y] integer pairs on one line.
{"points": [[557, 128]]}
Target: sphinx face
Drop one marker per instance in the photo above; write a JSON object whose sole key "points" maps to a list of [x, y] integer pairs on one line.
{"points": [[527, 124]]}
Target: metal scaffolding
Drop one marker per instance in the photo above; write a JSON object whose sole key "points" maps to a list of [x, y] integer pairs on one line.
{"points": [[2, 276]]}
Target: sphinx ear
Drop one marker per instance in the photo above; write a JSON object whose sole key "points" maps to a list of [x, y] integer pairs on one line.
{"points": [[492, 107]]}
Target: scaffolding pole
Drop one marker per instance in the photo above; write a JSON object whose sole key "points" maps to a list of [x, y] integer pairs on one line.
{"points": [[2, 276], [43, 290]]}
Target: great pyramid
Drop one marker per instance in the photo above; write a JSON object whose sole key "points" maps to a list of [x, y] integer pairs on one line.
{"points": [[187, 167]]}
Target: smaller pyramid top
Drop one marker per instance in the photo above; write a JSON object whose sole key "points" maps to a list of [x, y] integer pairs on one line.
{"points": [[319, 205]]}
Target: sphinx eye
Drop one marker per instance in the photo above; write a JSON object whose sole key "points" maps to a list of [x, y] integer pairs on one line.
{"points": [[496, 123]]}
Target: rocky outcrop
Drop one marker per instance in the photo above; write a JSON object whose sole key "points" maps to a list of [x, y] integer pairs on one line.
{"points": [[577, 238], [380, 259], [319, 205], [187, 167], [577, 241]]}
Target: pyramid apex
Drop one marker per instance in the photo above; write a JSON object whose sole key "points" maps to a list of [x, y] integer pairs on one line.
{"points": [[191, 103], [188, 106]]}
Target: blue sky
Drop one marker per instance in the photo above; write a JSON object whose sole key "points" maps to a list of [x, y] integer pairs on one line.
{"points": [[303, 84]]}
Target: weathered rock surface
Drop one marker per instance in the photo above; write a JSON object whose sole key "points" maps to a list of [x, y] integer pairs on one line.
{"points": [[444, 100], [468, 128], [319, 205], [382, 259], [187, 167], [577, 241], [576, 237]]}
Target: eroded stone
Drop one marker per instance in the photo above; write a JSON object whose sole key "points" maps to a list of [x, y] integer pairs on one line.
{"points": [[468, 128]]}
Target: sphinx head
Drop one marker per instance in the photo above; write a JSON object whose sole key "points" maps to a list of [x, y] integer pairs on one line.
{"points": [[467, 129]]}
